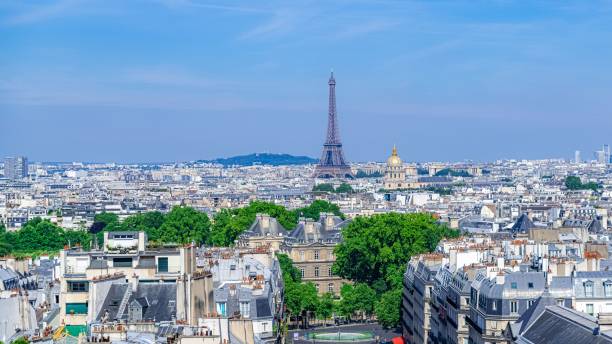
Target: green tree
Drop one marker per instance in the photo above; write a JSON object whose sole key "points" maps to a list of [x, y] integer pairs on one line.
{"points": [[573, 183], [344, 188], [310, 301], [20, 340], [325, 307], [184, 225], [323, 187], [106, 218], [149, 222], [314, 210], [388, 308], [358, 298], [229, 223], [290, 272], [38, 235], [375, 249]]}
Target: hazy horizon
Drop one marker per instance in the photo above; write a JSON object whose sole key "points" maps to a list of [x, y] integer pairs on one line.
{"points": [[184, 80]]}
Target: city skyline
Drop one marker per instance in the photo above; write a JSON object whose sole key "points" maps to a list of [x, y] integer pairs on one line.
{"points": [[104, 82]]}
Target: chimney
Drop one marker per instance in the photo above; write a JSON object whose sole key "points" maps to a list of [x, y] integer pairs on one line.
{"points": [[329, 220], [134, 283], [500, 278], [500, 263], [264, 220]]}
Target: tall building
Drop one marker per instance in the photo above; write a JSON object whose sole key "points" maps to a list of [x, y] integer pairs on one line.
{"points": [[332, 163], [15, 167], [600, 156], [606, 150], [577, 158]]}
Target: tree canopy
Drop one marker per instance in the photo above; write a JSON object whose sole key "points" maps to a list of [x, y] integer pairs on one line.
{"points": [[375, 251], [41, 236], [329, 188], [184, 225], [229, 223], [453, 173], [574, 183]]}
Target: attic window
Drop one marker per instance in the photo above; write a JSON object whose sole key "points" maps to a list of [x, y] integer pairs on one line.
{"points": [[513, 285], [232, 267], [530, 285], [588, 289]]}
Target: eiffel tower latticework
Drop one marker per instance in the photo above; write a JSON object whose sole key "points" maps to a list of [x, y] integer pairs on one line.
{"points": [[332, 163]]}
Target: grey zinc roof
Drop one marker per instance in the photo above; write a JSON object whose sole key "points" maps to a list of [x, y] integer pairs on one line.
{"points": [[560, 325], [522, 224], [532, 313], [158, 298]]}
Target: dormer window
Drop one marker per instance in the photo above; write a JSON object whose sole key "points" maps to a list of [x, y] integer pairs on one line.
{"points": [[513, 285], [608, 288], [588, 289]]}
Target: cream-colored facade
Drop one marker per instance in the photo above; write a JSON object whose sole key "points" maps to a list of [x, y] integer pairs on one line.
{"points": [[315, 260], [395, 174], [86, 276]]}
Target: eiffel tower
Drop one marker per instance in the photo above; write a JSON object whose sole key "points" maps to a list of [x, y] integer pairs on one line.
{"points": [[332, 163]]}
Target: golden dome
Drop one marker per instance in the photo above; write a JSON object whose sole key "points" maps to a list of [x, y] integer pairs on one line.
{"points": [[394, 160]]}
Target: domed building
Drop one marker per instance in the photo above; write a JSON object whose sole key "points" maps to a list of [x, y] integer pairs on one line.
{"points": [[395, 174]]}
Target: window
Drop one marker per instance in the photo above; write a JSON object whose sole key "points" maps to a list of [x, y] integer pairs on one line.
{"points": [[513, 285], [589, 308], [317, 287], [245, 310], [78, 286], [560, 302], [76, 308], [494, 305], [531, 302], [608, 288], [122, 262], [588, 289], [330, 287], [513, 307], [302, 272], [316, 254], [162, 264], [329, 271], [316, 271], [221, 308], [530, 285], [302, 255]]}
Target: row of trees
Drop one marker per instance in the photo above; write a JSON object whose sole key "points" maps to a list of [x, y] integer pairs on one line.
{"points": [[38, 237], [180, 225], [303, 301], [329, 188]]}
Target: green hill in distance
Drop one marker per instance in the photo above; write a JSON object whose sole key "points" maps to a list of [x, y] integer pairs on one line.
{"points": [[262, 159]]}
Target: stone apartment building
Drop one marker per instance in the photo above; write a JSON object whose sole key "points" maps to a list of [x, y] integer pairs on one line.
{"points": [[108, 283], [310, 245]]}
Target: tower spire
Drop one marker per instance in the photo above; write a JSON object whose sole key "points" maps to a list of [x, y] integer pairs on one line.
{"points": [[332, 164]]}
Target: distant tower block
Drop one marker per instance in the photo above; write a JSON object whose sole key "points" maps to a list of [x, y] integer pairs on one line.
{"points": [[332, 163], [577, 158]]}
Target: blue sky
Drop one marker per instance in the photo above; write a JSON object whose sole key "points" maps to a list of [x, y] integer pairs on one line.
{"points": [[176, 80]]}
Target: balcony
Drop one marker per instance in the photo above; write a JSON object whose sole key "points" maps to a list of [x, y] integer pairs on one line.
{"points": [[475, 326]]}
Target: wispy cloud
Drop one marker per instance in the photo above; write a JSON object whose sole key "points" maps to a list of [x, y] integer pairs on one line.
{"points": [[212, 6], [282, 21], [31, 14], [358, 29]]}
